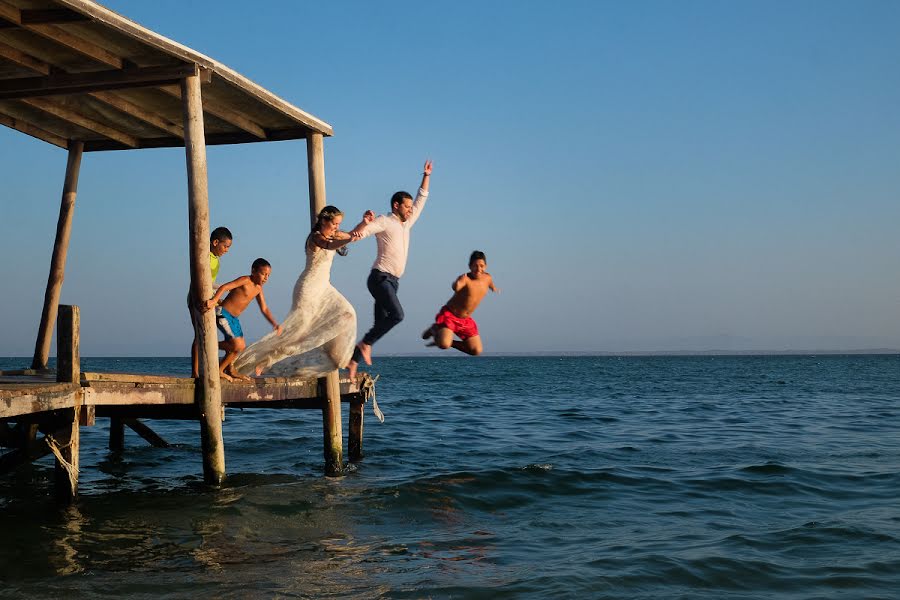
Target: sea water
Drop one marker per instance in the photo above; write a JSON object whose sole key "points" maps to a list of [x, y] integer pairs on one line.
{"points": [[497, 477]]}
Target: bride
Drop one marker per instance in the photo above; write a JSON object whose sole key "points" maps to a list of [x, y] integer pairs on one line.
{"points": [[319, 332]]}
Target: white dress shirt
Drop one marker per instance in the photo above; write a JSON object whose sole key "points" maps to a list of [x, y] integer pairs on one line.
{"points": [[392, 236]]}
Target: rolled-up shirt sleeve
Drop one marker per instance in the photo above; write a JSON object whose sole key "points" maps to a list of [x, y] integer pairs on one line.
{"points": [[418, 205], [376, 226]]}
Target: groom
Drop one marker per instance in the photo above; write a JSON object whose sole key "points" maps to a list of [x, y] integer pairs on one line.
{"points": [[392, 234]]}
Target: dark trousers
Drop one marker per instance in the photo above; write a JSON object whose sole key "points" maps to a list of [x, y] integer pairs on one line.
{"points": [[388, 312]]}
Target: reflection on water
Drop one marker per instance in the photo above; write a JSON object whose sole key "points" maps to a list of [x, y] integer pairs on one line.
{"points": [[63, 558]]}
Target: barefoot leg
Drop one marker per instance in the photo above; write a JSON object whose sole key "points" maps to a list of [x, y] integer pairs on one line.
{"points": [[470, 346], [366, 351], [351, 367], [443, 338]]}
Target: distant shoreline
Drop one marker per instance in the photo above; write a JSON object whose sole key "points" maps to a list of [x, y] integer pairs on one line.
{"points": [[865, 352], [562, 353]]}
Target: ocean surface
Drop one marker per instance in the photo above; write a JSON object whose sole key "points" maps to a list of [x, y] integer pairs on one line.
{"points": [[497, 477]]}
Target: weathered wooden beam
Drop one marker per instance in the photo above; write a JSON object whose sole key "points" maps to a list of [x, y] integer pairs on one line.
{"points": [[212, 139], [145, 432], [33, 131], [57, 83], [22, 59], [129, 108], [58, 260], [68, 351], [76, 118], [228, 115], [209, 393], [162, 411], [88, 49], [37, 399], [48, 16]]}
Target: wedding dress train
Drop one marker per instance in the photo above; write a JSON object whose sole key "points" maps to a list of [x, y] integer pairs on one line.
{"points": [[318, 334]]}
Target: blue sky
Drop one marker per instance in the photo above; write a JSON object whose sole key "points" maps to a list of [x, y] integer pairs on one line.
{"points": [[642, 176]]}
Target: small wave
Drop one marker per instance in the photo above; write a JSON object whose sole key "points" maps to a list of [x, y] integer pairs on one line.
{"points": [[768, 469]]}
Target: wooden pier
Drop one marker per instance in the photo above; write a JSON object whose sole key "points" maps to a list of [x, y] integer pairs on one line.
{"points": [[41, 411], [86, 79]]}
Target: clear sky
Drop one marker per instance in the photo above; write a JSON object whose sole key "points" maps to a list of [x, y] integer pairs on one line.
{"points": [[641, 175]]}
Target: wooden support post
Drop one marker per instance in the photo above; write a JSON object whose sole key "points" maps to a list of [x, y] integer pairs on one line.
{"points": [[116, 434], [209, 392], [329, 386], [66, 441], [68, 346], [58, 260], [329, 389], [355, 435]]}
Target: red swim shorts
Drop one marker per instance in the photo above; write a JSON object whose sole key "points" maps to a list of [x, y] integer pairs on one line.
{"points": [[464, 328]]}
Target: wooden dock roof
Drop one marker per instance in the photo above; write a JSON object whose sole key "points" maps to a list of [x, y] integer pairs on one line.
{"points": [[73, 70]]}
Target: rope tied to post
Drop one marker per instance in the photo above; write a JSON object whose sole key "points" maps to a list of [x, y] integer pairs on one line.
{"points": [[367, 389], [70, 468]]}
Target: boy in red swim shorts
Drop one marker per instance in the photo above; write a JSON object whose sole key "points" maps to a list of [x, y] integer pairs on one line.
{"points": [[455, 317]]}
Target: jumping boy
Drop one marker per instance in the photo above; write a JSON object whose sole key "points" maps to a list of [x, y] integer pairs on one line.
{"points": [[242, 291], [455, 317], [219, 244]]}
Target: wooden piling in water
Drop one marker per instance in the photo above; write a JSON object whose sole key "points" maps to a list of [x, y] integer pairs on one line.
{"points": [[65, 441], [329, 386], [209, 393], [58, 259], [116, 434], [355, 434]]}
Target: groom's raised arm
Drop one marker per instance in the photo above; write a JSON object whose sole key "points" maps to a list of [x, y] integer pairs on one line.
{"points": [[422, 195]]}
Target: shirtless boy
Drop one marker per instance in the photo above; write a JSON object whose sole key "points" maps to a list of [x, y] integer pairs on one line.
{"points": [[241, 291], [455, 317]]}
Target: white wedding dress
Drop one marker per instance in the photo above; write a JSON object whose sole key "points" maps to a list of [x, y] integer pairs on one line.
{"points": [[319, 333]]}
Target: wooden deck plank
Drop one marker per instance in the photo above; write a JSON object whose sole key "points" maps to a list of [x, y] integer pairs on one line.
{"points": [[32, 393], [36, 399]]}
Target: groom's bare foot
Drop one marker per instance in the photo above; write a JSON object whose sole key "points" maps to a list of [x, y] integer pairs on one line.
{"points": [[366, 351], [225, 376], [351, 367]]}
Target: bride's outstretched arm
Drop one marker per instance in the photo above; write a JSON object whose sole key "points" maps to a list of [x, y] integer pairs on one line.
{"points": [[339, 239]]}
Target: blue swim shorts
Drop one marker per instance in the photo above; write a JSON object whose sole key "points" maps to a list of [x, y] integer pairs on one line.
{"points": [[228, 324]]}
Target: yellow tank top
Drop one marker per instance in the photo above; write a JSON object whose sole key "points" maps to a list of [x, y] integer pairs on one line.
{"points": [[213, 265]]}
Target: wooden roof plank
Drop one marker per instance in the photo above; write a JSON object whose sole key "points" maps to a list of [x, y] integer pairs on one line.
{"points": [[13, 14], [49, 16], [212, 139], [33, 130], [126, 106], [73, 83], [72, 116], [23, 59], [228, 115]]}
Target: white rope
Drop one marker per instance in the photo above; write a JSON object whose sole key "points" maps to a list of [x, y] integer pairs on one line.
{"points": [[70, 468], [368, 391]]}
